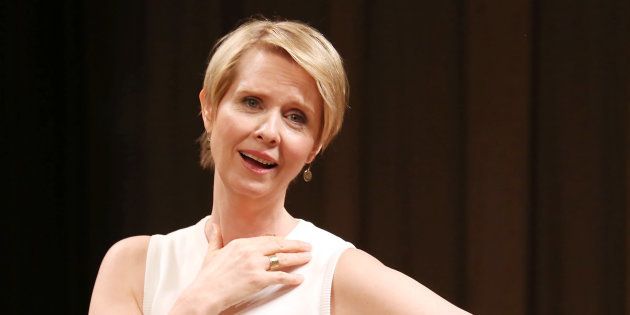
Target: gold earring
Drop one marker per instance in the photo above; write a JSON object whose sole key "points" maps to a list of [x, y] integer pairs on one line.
{"points": [[209, 139], [307, 175]]}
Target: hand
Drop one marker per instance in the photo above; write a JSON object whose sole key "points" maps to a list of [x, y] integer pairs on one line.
{"points": [[233, 273]]}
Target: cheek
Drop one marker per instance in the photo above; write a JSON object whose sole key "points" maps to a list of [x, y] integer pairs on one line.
{"points": [[299, 147], [230, 124], [225, 134]]}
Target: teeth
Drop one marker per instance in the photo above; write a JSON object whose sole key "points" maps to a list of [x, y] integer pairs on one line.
{"points": [[257, 159]]}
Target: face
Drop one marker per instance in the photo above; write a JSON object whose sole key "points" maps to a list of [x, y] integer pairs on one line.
{"points": [[266, 126]]}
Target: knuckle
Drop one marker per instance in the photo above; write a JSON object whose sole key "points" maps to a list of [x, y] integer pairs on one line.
{"points": [[238, 243], [278, 243], [256, 281], [283, 277], [243, 250], [252, 264], [282, 259]]}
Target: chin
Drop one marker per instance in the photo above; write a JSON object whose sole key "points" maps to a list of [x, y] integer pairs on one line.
{"points": [[253, 189]]}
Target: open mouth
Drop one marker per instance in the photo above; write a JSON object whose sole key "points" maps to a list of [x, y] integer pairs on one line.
{"points": [[257, 162]]}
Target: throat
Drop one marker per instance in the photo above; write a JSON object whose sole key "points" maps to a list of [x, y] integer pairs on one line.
{"points": [[234, 226], [240, 216]]}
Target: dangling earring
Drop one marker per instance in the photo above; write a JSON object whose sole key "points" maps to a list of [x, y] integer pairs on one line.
{"points": [[307, 175], [209, 139]]}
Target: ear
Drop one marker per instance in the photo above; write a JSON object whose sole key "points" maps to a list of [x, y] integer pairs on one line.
{"points": [[206, 110], [313, 154]]}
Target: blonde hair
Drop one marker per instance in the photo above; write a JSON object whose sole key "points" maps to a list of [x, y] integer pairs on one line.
{"points": [[305, 45]]}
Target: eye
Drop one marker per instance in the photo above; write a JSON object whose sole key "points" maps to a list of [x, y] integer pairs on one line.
{"points": [[297, 117], [251, 102]]}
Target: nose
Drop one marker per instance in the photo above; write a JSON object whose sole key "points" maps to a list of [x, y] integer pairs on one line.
{"points": [[268, 130]]}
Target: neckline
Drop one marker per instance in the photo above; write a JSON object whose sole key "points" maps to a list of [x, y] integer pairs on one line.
{"points": [[201, 225]]}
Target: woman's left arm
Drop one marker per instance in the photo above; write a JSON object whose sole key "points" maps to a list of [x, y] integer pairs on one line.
{"points": [[363, 285]]}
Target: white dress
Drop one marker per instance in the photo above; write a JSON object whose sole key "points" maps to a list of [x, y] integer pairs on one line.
{"points": [[173, 261]]}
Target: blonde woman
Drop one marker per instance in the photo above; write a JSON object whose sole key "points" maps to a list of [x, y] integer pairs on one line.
{"points": [[273, 97]]}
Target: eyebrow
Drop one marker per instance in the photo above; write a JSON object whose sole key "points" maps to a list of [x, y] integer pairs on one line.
{"points": [[299, 103]]}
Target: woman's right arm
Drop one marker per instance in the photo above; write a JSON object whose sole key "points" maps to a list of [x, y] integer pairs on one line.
{"points": [[119, 285]]}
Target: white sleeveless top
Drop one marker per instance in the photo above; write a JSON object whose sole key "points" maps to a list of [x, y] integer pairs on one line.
{"points": [[173, 261]]}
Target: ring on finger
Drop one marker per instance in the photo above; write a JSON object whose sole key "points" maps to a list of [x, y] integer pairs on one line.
{"points": [[274, 262]]}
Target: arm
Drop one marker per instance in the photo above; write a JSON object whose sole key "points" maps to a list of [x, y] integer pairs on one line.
{"points": [[363, 285], [120, 281]]}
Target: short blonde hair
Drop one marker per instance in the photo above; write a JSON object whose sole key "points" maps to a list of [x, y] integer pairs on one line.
{"points": [[305, 45]]}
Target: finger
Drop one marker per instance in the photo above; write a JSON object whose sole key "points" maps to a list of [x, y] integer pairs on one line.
{"points": [[281, 277], [215, 240], [271, 245], [289, 260]]}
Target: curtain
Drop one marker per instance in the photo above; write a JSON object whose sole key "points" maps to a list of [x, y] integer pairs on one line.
{"points": [[484, 153]]}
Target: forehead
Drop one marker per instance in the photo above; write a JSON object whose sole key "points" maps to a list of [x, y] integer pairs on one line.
{"points": [[274, 71]]}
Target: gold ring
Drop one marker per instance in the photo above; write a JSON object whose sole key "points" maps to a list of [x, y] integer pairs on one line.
{"points": [[274, 262]]}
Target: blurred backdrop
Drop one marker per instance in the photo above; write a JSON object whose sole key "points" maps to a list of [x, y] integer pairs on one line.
{"points": [[485, 151]]}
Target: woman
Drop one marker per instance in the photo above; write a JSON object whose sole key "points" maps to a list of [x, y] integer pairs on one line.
{"points": [[273, 97]]}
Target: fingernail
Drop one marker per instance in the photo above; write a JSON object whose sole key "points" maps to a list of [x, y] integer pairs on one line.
{"points": [[299, 278]]}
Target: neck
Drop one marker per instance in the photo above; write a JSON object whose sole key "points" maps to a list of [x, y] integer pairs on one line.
{"points": [[241, 216]]}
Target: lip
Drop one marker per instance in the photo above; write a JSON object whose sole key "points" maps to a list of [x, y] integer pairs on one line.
{"points": [[253, 167], [260, 155]]}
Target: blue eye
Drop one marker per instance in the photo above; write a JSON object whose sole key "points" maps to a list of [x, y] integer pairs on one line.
{"points": [[297, 118], [251, 102]]}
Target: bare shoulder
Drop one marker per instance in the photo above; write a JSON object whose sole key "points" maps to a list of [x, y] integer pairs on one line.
{"points": [[363, 285], [120, 282]]}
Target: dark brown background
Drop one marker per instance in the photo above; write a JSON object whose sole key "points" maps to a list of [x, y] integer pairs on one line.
{"points": [[485, 153]]}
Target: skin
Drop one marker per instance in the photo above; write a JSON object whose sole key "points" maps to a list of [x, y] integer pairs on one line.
{"points": [[272, 110]]}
